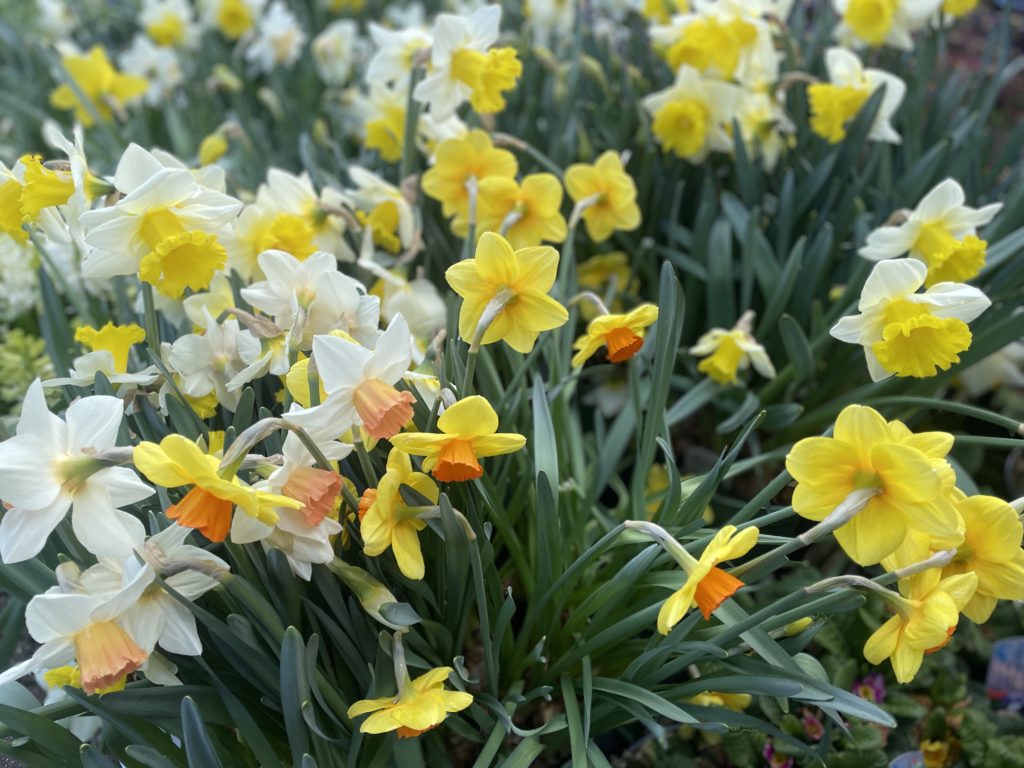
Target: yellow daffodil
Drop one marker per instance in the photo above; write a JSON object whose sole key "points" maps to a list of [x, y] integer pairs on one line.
{"points": [[707, 586], [992, 550], [420, 705], [926, 616], [101, 84], [469, 431], [208, 505], [867, 452], [527, 214], [611, 196], [10, 206], [44, 187], [712, 45], [726, 353], [463, 162], [387, 521], [958, 8], [623, 335], [115, 339], [512, 286]]}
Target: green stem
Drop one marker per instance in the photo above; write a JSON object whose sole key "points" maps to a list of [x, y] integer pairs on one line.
{"points": [[152, 324], [412, 116], [364, 458], [467, 380], [1013, 425]]}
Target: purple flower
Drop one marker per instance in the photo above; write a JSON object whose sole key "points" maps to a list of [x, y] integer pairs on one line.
{"points": [[812, 726], [775, 761], [871, 687]]}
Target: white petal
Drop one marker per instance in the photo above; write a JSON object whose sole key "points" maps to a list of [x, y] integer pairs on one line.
{"points": [[889, 242], [27, 474], [36, 419], [102, 529], [144, 622], [93, 422], [848, 329], [245, 529], [890, 279], [51, 655], [944, 197], [393, 354], [179, 632], [123, 486], [23, 532], [125, 599], [339, 363], [875, 368], [51, 616], [964, 302]]}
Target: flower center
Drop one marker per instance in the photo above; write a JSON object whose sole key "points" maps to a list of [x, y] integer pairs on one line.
{"points": [[291, 233], [916, 343], [201, 510], [833, 106], [185, 260], [714, 589], [317, 489], [723, 364], [457, 463], [870, 20], [383, 409], [168, 30], [622, 344], [105, 655], [682, 126]]}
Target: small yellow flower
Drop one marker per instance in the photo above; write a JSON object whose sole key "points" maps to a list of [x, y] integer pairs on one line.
{"points": [[115, 339], [613, 194], [386, 132], [208, 505], [469, 431], [927, 613], [97, 79], [387, 520], [463, 161], [737, 702], [44, 188], [865, 451], [526, 214], [623, 335], [420, 705], [707, 586], [212, 147], [726, 353], [517, 280], [234, 18]]}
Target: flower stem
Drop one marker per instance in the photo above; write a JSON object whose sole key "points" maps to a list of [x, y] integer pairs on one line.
{"points": [[412, 116]]}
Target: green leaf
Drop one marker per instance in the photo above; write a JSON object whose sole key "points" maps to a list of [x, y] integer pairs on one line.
{"points": [[524, 755], [198, 747], [294, 692], [93, 758], [50, 738], [797, 348], [645, 698]]}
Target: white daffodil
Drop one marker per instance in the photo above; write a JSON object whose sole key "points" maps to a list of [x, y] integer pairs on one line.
{"points": [[905, 333], [336, 51], [1004, 368], [360, 383], [289, 215], [73, 624], [693, 116], [312, 297], [279, 39], [169, 23], [552, 20], [85, 367], [765, 126], [157, 618], [52, 465], [218, 298], [727, 352], [396, 51], [941, 232], [303, 535], [160, 66], [836, 103], [463, 66], [206, 362], [166, 226], [882, 22], [234, 19]]}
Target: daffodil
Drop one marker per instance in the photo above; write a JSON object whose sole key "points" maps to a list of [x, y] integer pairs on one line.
{"points": [[906, 333], [693, 116], [43, 187], [622, 334], [384, 128], [459, 166], [52, 465], [468, 432], [926, 616], [208, 505], [512, 288], [97, 79], [866, 452], [360, 383], [420, 704], [941, 232], [170, 23], [387, 521], [726, 353], [954, 9], [10, 203], [115, 339], [279, 40], [609, 193], [75, 621], [383, 209], [234, 18], [210, 361], [992, 550], [883, 22], [715, 44], [464, 66], [527, 214], [706, 586], [396, 52], [836, 103]]}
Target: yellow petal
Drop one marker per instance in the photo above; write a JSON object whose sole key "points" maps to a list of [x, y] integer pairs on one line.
{"points": [[469, 417], [882, 644], [497, 444]]}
